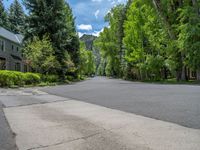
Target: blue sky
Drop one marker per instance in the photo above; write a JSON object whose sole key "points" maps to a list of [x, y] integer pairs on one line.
{"points": [[89, 13]]}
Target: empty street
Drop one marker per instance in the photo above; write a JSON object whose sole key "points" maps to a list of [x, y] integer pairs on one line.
{"points": [[173, 103], [102, 113]]}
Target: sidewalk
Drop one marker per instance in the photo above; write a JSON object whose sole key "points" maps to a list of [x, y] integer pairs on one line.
{"points": [[7, 139], [75, 125]]}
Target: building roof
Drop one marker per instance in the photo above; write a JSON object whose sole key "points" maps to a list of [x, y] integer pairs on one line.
{"points": [[16, 38]]}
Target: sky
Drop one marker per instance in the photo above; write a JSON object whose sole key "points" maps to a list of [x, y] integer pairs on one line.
{"points": [[89, 14]]}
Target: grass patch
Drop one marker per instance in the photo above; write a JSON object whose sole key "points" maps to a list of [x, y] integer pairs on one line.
{"points": [[174, 81]]}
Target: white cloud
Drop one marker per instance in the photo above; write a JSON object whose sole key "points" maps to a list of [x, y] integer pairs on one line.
{"points": [[97, 13], [86, 27]]}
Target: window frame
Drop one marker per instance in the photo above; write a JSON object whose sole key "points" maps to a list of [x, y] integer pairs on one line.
{"points": [[13, 47]]}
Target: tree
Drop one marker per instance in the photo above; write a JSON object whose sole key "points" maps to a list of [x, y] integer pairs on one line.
{"points": [[87, 62], [3, 16], [16, 17], [39, 55], [51, 17], [189, 34], [110, 42], [160, 40], [109, 52], [168, 11], [73, 45], [116, 19]]}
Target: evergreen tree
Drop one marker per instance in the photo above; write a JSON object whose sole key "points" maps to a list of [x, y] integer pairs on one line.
{"points": [[73, 45], [3, 16], [49, 17], [16, 17]]}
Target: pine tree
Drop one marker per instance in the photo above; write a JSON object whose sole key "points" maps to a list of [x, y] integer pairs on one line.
{"points": [[74, 45], [49, 17], [3, 16], [16, 17]]}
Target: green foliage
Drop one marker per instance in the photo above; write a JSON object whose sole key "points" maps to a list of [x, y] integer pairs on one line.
{"points": [[3, 16], [14, 78], [73, 45], [40, 55], [49, 78], [151, 40], [9, 79], [20, 79], [16, 17], [145, 40], [31, 78], [101, 68], [110, 43], [55, 19], [189, 34], [70, 78], [87, 61]]}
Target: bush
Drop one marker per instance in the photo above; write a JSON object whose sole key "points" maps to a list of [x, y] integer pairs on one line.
{"points": [[31, 78], [50, 78], [11, 78], [70, 78], [14, 78]]}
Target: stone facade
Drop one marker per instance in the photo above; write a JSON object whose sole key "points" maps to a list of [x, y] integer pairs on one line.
{"points": [[10, 51]]}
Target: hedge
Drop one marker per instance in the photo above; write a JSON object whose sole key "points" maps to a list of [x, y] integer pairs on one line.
{"points": [[14, 78], [20, 79], [32, 78]]}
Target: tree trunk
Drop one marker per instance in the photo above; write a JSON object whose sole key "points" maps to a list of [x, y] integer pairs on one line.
{"points": [[178, 74], [183, 73], [198, 75], [195, 4], [165, 73]]}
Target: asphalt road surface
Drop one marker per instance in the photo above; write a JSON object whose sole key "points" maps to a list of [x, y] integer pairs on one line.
{"points": [[178, 104]]}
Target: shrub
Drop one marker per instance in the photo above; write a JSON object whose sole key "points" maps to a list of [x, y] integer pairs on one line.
{"points": [[69, 78], [50, 78], [31, 78], [14, 78], [10, 78]]}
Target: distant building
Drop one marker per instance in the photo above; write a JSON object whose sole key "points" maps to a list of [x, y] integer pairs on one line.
{"points": [[10, 51]]}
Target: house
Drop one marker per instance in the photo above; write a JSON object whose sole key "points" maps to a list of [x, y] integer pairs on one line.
{"points": [[10, 51]]}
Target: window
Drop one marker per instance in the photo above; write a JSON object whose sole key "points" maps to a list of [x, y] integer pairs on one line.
{"points": [[2, 45], [12, 47], [17, 67], [17, 49]]}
